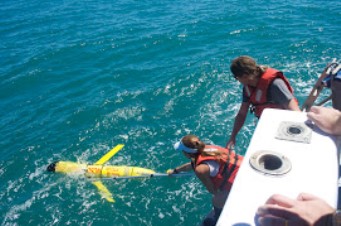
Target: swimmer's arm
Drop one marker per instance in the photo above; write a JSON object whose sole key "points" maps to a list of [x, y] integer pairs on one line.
{"points": [[183, 168]]}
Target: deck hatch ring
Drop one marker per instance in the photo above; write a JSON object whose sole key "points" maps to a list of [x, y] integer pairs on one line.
{"points": [[294, 131], [270, 163]]}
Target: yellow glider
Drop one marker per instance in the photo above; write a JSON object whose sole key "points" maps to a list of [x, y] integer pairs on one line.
{"points": [[99, 170]]}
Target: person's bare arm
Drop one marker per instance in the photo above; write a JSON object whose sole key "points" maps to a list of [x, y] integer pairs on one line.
{"points": [[292, 105], [327, 119], [203, 173], [182, 168], [307, 209], [238, 124]]}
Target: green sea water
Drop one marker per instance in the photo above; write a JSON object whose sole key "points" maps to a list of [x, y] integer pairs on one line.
{"points": [[79, 77]]}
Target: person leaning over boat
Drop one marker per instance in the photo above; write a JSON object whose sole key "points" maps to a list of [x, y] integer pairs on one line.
{"points": [[307, 209], [215, 166], [263, 87]]}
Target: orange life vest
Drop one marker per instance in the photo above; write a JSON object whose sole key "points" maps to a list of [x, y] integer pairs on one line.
{"points": [[228, 167], [258, 95]]}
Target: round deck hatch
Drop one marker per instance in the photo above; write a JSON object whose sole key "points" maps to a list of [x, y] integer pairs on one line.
{"points": [[270, 162]]}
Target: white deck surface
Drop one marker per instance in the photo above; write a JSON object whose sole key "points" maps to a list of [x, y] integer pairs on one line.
{"points": [[314, 169]]}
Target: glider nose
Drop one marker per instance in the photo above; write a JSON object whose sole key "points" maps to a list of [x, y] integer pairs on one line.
{"points": [[52, 167]]}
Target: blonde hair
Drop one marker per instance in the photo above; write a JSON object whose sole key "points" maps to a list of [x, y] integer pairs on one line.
{"points": [[200, 146]]}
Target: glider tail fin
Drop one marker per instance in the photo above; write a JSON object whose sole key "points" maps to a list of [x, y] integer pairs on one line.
{"points": [[104, 192], [109, 155]]}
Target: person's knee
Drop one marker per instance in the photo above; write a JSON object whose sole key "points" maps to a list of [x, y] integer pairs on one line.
{"points": [[336, 94]]}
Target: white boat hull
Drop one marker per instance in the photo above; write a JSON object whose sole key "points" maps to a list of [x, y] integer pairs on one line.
{"points": [[313, 168]]}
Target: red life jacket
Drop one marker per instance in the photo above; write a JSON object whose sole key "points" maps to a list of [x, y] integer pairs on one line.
{"points": [[258, 95], [228, 167]]}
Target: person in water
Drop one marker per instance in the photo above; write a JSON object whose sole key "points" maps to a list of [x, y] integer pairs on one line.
{"points": [[215, 166], [263, 87], [306, 209]]}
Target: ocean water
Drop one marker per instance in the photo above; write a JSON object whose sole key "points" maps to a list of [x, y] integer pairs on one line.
{"points": [[79, 77]]}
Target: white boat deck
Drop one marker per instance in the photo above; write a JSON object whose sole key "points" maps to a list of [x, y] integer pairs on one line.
{"points": [[314, 168]]}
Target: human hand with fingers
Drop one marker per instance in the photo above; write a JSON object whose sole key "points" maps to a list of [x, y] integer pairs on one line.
{"points": [[230, 144], [306, 210], [327, 119]]}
